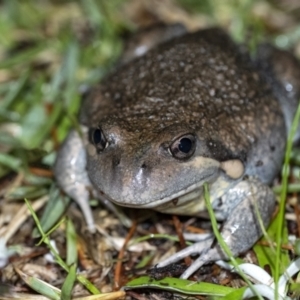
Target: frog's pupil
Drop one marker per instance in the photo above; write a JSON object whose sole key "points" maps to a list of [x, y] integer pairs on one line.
{"points": [[185, 145], [97, 136]]}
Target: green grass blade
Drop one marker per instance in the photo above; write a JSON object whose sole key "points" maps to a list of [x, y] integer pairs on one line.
{"points": [[10, 162], [55, 207], [265, 254], [40, 286], [71, 244], [23, 57], [220, 239], [14, 90], [66, 290], [285, 174], [183, 286]]}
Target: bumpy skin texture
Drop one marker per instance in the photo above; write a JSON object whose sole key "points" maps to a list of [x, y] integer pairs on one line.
{"points": [[198, 84]]}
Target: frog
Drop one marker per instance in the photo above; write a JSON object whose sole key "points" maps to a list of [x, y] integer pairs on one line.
{"points": [[192, 110]]}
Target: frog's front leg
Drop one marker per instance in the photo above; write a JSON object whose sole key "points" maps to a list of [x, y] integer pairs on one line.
{"points": [[71, 175], [241, 229]]}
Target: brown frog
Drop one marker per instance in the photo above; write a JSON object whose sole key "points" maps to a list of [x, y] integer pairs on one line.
{"points": [[192, 110]]}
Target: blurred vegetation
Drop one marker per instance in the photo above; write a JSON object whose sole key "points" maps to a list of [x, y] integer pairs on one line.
{"points": [[51, 51]]}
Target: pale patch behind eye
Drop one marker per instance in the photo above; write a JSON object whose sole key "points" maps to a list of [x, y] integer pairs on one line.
{"points": [[234, 168]]}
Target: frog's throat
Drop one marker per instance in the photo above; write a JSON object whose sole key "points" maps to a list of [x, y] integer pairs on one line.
{"points": [[178, 199], [191, 203]]}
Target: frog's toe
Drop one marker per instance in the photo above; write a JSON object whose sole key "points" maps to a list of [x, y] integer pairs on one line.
{"points": [[196, 248], [210, 255]]}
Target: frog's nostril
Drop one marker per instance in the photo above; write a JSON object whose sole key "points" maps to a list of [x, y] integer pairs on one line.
{"points": [[116, 161], [143, 166]]}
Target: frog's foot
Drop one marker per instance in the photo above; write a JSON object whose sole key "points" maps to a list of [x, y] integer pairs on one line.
{"points": [[196, 248], [254, 202]]}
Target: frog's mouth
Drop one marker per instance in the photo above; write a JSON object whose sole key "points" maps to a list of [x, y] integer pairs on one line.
{"points": [[188, 201]]}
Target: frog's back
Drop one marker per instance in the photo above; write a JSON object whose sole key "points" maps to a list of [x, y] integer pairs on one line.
{"points": [[205, 83]]}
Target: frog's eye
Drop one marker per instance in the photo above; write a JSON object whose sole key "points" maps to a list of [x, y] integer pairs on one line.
{"points": [[183, 147], [98, 138]]}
